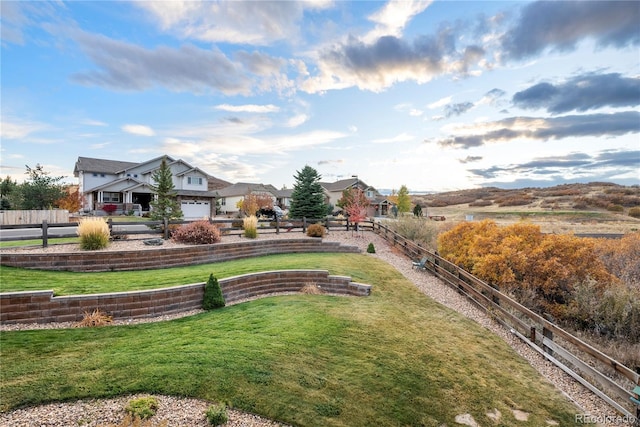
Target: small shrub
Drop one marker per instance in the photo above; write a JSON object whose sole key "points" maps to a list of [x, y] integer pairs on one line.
{"points": [[217, 414], [110, 208], [213, 297], [250, 225], [197, 232], [634, 212], [95, 318], [311, 288], [316, 230], [371, 249], [142, 407], [615, 208], [94, 233]]}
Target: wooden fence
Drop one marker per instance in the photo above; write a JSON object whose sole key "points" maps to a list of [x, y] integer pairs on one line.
{"points": [[607, 378], [33, 216], [229, 226]]}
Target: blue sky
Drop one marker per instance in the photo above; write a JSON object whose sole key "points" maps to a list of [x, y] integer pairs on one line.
{"points": [[432, 95]]}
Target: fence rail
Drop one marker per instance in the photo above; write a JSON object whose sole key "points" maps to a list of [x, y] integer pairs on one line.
{"points": [[609, 379], [231, 226]]}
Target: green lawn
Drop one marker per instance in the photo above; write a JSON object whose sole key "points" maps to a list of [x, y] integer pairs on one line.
{"points": [[394, 358]]}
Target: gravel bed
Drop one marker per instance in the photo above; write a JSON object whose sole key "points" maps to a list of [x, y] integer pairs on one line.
{"points": [[190, 412]]}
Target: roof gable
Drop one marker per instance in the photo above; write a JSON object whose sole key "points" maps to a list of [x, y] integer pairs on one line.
{"points": [[89, 164]]}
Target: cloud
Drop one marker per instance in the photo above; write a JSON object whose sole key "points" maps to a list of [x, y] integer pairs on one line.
{"points": [[393, 17], [126, 66], [600, 166], [237, 22], [14, 128], [330, 162], [141, 130], [248, 108], [91, 122], [457, 109], [581, 93], [470, 159], [492, 97], [440, 103], [560, 25], [543, 129], [297, 120]]}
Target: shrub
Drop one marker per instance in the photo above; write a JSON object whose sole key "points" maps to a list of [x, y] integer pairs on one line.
{"points": [[250, 225], [142, 407], [109, 208], [311, 288], [213, 297], [94, 233], [634, 212], [418, 230], [615, 208], [316, 230], [371, 249], [217, 414], [95, 318], [197, 232]]}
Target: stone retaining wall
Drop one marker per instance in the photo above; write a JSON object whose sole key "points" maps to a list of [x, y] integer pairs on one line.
{"points": [[88, 261], [43, 307]]}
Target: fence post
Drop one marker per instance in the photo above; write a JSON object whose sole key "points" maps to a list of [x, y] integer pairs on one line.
{"points": [[549, 335], [110, 225], [532, 334], [304, 224], [165, 223], [277, 225], [45, 236]]}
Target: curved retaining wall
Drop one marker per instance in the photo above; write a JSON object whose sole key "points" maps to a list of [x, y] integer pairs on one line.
{"points": [[43, 307], [167, 257]]}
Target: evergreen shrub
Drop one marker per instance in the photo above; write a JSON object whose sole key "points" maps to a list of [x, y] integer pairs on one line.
{"points": [[213, 297], [371, 249], [94, 233]]}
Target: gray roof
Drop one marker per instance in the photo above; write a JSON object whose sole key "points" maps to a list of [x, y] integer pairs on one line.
{"points": [[242, 188], [88, 164]]}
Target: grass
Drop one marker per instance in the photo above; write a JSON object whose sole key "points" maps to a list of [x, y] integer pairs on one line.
{"points": [[38, 242], [394, 358]]}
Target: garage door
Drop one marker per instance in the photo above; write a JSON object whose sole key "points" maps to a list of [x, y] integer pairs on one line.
{"points": [[192, 209]]}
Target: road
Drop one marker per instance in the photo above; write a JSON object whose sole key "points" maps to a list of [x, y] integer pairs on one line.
{"points": [[36, 233]]}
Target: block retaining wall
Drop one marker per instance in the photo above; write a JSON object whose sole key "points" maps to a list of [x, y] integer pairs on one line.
{"points": [[92, 261], [43, 307]]}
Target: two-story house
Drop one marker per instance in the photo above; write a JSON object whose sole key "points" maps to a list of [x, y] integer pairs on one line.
{"points": [[128, 185], [378, 204]]}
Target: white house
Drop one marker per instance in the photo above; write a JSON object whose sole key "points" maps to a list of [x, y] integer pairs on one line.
{"points": [[128, 185], [378, 204]]}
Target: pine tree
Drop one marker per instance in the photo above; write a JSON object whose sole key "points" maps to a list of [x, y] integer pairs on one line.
{"points": [[307, 198], [213, 297], [166, 203]]}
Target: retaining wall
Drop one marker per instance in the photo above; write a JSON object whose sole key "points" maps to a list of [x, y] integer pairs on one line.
{"points": [[87, 261], [43, 307]]}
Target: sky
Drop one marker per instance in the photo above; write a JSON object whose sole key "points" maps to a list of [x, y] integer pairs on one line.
{"points": [[433, 95]]}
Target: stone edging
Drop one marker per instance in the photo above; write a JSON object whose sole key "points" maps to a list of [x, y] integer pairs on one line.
{"points": [[43, 307]]}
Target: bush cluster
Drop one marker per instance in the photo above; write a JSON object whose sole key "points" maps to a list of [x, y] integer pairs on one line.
{"points": [[110, 208], [197, 233], [419, 230], [142, 407], [217, 414], [94, 233], [250, 225], [634, 212], [316, 230]]}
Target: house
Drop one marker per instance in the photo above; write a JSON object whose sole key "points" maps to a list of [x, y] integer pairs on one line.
{"points": [[128, 185], [230, 196], [378, 204]]}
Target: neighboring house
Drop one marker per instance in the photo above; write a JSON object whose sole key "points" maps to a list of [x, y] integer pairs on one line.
{"points": [[378, 204], [128, 185], [231, 195]]}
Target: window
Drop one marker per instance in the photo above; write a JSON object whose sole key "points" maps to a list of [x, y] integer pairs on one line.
{"points": [[111, 197], [194, 180], [223, 201]]}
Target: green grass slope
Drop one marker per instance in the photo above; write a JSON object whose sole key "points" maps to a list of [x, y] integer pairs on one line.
{"points": [[395, 358]]}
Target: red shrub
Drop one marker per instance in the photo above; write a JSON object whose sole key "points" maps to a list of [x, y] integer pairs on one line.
{"points": [[198, 232]]}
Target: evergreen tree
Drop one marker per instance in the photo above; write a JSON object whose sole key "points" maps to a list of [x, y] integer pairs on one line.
{"points": [[307, 198], [404, 200], [166, 203], [40, 191], [9, 194], [213, 297]]}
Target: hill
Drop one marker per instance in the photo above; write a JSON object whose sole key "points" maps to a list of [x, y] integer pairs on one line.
{"points": [[571, 208]]}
